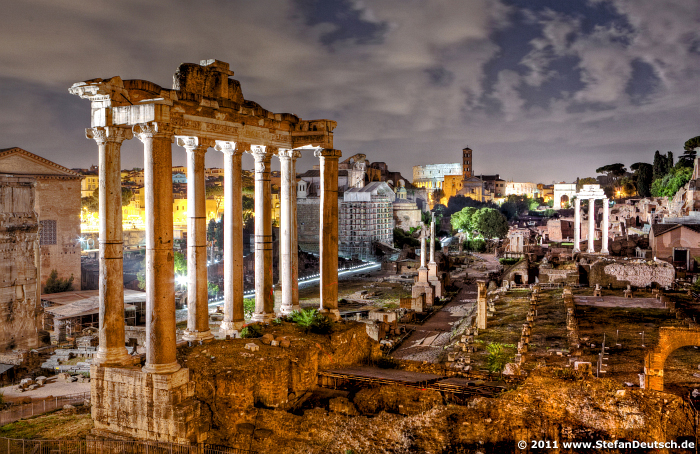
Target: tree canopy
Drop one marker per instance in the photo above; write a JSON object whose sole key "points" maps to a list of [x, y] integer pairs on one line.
{"points": [[462, 220], [671, 182], [490, 223]]}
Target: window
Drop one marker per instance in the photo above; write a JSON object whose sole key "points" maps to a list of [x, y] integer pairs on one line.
{"points": [[47, 233]]}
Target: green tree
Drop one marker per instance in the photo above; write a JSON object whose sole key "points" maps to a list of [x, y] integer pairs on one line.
{"points": [[180, 263], [613, 171], [127, 194], [660, 166], [587, 180], [671, 182], [490, 223], [462, 220], [644, 174], [692, 144], [55, 284], [215, 232]]}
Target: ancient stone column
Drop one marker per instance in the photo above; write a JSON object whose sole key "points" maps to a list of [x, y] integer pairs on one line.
{"points": [[233, 238], [422, 251], [432, 240], [287, 267], [577, 225], [264, 300], [591, 225], [111, 351], [605, 226], [328, 232], [160, 274], [295, 240], [481, 305], [197, 291]]}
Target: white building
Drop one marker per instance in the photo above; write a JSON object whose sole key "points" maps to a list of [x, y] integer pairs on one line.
{"points": [[366, 215]]}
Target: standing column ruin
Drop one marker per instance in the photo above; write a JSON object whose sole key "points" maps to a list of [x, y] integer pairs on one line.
{"points": [[111, 351], [605, 226], [481, 305], [577, 225], [233, 238], [328, 232], [264, 299], [160, 274], [197, 291], [591, 226], [288, 251]]}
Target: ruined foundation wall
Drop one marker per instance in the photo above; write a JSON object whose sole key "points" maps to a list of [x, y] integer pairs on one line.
{"points": [[620, 274]]}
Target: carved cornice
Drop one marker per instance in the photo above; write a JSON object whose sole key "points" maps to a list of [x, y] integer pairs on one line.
{"points": [[327, 153], [105, 134], [153, 130]]}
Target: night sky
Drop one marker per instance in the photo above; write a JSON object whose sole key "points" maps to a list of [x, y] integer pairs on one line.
{"points": [[540, 90]]}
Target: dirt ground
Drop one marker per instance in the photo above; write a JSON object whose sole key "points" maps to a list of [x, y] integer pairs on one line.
{"points": [[53, 387]]}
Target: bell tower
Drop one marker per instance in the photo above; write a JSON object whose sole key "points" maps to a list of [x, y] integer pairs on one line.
{"points": [[467, 164]]}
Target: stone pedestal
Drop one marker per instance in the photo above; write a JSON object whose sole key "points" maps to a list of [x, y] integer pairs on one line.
{"points": [[133, 403], [423, 287], [435, 281]]}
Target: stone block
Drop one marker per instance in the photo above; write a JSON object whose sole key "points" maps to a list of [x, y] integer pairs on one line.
{"points": [[252, 347], [267, 338]]}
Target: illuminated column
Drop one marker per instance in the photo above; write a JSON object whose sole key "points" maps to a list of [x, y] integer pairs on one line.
{"points": [[197, 292], [111, 351], [160, 273], [264, 300], [328, 232], [605, 226], [591, 225], [233, 238], [287, 266], [577, 225]]}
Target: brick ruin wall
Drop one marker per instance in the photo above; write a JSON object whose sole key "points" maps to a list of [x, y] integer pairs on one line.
{"points": [[20, 306], [59, 200], [308, 215]]}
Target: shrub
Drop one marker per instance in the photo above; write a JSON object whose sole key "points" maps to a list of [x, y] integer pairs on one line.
{"points": [[54, 284], [248, 307], [310, 320], [251, 331], [477, 245], [497, 358]]}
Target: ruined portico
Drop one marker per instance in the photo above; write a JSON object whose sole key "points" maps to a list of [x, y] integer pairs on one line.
{"points": [[204, 109], [591, 192]]}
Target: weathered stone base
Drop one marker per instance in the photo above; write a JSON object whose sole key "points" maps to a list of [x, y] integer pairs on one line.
{"points": [[424, 288], [132, 403]]}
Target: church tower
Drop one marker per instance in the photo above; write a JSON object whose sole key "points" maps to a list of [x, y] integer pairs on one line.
{"points": [[467, 164]]}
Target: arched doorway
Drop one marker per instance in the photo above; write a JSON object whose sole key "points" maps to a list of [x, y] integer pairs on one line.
{"points": [[564, 201], [670, 339]]}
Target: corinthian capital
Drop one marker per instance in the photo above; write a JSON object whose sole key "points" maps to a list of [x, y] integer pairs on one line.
{"points": [[289, 153], [262, 153], [153, 129], [328, 153], [193, 143], [104, 134], [235, 148]]}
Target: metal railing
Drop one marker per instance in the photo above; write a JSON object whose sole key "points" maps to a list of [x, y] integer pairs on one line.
{"points": [[22, 446], [39, 407]]}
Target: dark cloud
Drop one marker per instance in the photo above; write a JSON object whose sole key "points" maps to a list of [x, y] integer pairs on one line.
{"points": [[540, 90]]}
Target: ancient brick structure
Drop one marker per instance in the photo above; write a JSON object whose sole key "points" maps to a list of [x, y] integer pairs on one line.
{"points": [[57, 205], [20, 304], [670, 339]]}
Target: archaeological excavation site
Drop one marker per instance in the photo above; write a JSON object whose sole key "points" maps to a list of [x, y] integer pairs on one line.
{"points": [[291, 332]]}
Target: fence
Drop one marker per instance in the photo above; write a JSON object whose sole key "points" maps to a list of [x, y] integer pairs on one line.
{"points": [[20, 446], [39, 407]]}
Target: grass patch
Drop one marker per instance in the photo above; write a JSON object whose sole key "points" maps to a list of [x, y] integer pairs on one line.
{"points": [[55, 425]]}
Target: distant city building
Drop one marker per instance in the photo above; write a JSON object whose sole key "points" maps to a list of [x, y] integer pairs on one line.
{"points": [[407, 214], [179, 178], [57, 205], [365, 215], [494, 185], [467, 163], [432, 176], [526, 189]]}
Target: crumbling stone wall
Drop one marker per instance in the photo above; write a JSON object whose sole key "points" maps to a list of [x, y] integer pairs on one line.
{"points": [[20, 305], [638, 273]]}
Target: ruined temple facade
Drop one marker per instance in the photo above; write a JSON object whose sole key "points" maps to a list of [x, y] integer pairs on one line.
{"points": [[204, 109]]}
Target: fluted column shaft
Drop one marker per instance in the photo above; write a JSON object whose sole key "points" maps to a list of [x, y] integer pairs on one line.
{"points": [[605, 226], [111, 350], [160, 286], [197, 279], [264, 299], [577, 225], [591, 226], [287, 268], [233, 238], [328, 232], [422, 251]]}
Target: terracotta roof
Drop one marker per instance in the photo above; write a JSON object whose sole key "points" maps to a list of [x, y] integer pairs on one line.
{"points": [[660, 229]]}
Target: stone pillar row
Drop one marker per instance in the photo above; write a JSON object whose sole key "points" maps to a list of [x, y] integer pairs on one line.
{"points": [[160, 299], [605, 225]]}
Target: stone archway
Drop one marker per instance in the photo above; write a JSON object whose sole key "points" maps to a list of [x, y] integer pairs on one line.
{"points": [[564, 201], [670, 339]]}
